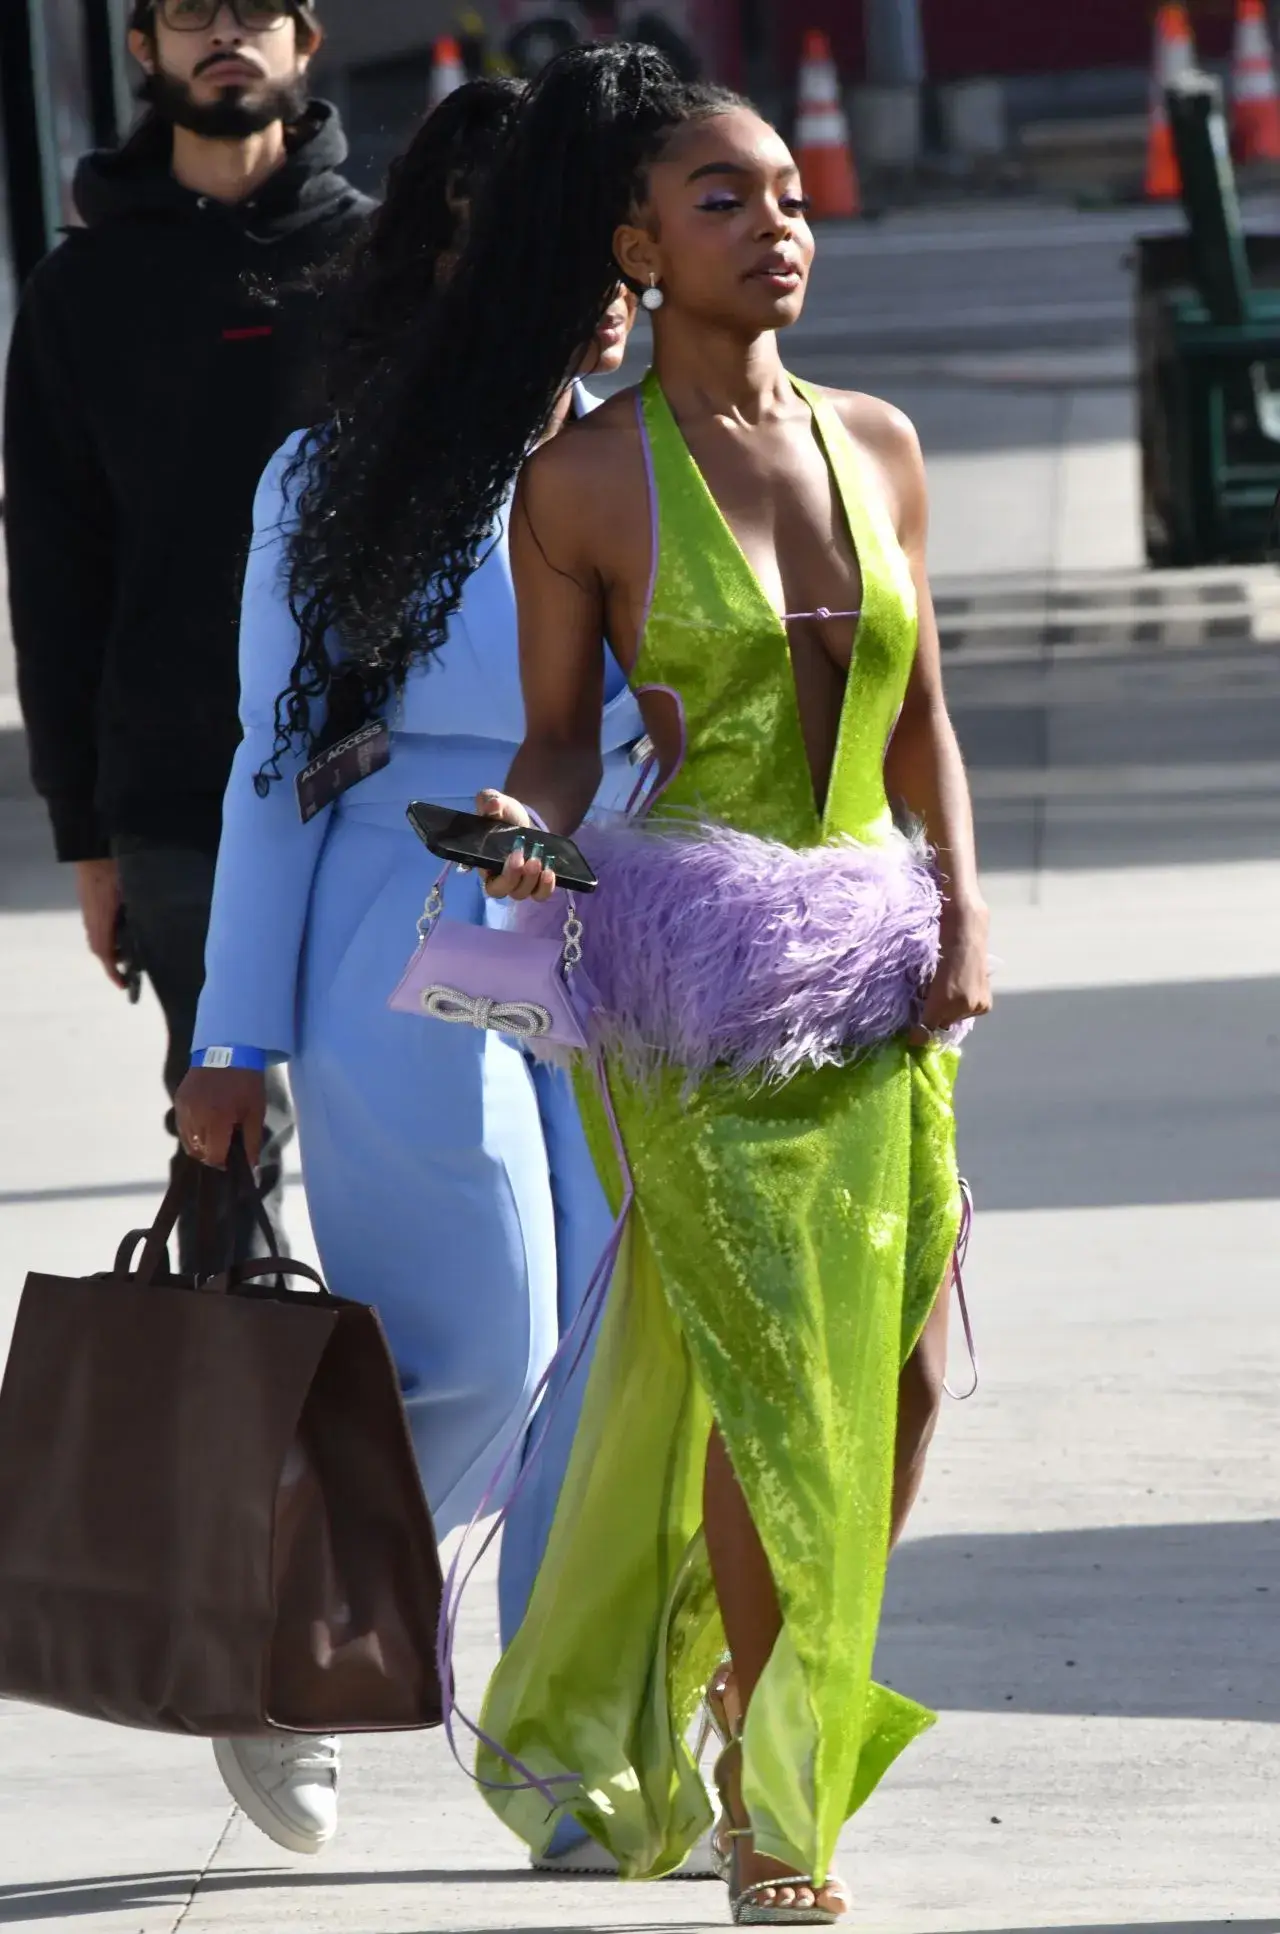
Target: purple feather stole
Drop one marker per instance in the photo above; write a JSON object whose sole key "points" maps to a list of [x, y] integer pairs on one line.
{"points": [[708, 948]]}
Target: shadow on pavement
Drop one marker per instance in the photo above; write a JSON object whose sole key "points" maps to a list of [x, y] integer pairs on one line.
{"points": [[101, 1894], [1090, 1098], [1138, 1622], [86, 1192], [700, 1927], [31, 881], [122, 1893]]}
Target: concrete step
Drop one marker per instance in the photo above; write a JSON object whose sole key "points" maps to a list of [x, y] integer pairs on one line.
{"points": [[1111, 611], [1105, 152]]}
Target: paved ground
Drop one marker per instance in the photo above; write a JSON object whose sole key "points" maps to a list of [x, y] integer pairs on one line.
{"points": [[1089, 1595]]}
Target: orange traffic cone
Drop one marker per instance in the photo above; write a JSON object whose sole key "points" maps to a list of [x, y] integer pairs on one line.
{"points": [[1255, 102], [823, 149], [447, 71], [1174, 54]]}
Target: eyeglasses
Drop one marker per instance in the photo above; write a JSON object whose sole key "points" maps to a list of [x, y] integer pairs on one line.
{"points": [[255, 16]]}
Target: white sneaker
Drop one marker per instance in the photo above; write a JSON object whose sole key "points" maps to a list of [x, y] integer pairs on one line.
{"points": [[287, 1785], [590, 1858]]}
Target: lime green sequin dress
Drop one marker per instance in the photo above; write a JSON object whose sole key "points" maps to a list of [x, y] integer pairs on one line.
{"points": [[785, 1248]]}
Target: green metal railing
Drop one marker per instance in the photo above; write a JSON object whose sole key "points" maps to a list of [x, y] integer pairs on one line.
{"points": [[1210, 417]]}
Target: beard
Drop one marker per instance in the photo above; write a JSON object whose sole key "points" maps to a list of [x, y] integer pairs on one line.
{"points": [[237, 113]]}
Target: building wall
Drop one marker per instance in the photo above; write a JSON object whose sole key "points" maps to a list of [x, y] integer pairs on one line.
{"points": [[371, 30], [963, 37], [970, 37], [966, 37]]}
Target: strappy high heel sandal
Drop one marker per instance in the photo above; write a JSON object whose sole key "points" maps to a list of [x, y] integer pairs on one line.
{"points": [[745, 1903], [717, 1718]]}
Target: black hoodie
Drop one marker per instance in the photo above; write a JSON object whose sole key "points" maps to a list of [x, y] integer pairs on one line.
{"points": [[149, 380]]}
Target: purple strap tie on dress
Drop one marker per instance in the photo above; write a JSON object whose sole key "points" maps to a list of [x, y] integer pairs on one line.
{"points": [[794, 617], [957, 1266]]}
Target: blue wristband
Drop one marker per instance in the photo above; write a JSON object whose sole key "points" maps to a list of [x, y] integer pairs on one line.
{"points": [[230, 1057]]}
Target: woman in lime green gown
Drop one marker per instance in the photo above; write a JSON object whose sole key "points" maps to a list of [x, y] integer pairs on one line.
{"points": [[753, 549], [788, 1240], [786, 1246]]}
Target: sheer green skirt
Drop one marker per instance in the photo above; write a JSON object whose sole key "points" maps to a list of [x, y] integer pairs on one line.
{"points": [[784, 1251]]}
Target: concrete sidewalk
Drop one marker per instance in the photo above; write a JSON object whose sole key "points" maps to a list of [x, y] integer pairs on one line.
{"points": [[1089, 1593]]}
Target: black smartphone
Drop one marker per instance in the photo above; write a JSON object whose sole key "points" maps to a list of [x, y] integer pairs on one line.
{"points": [[469, 839], [128, 964]]}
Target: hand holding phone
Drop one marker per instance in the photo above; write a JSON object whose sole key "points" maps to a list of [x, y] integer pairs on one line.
{"points": [[128, 965], [486, 842]]}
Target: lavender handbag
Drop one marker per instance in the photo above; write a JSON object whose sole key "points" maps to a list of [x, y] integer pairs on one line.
{"points": [[517, 983]]}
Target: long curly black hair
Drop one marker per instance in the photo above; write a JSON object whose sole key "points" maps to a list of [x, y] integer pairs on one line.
{"points": [[414, 469], [371, 294]]}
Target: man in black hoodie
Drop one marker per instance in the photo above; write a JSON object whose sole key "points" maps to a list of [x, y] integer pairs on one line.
{"points": [[151, 375]]}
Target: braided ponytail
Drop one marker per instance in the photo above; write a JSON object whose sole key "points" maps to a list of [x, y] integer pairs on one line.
{"points": [[417, 466]]}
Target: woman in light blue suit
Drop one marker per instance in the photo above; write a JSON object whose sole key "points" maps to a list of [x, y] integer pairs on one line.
{"points": [[447, 1177], [423, 1146]]}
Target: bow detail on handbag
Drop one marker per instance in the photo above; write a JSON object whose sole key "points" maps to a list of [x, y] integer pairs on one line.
{"points": [[524, 1018]]}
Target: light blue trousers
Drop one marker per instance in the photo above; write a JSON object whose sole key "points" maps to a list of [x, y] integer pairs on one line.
{"points": [[449, 1184]]}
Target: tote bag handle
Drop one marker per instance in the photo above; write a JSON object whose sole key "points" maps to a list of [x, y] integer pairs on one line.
{"points": [[238, 1179]]}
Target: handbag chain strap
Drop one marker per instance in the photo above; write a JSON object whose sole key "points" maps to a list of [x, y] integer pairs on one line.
{"points": [[572, 937], [433, 908]]}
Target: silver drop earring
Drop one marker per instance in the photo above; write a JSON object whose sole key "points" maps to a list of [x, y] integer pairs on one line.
{"points": [[653, 297]]}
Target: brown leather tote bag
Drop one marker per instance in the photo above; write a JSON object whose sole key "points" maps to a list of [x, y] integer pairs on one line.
{"points": [[210, 1513]]}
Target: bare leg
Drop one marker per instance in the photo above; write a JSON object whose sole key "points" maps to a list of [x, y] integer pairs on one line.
{"points": [[919, 1401], [744, 1581], [752, 1620]]}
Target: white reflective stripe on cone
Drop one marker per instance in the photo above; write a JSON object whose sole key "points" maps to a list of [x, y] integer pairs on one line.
{"points": [[1252, 39], [818, 85], [1254, 80], [1174, 57], [821, 130]]}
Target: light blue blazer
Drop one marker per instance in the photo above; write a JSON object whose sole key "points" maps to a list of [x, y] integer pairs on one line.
{"points": [[456, 728], [447, 1178]]}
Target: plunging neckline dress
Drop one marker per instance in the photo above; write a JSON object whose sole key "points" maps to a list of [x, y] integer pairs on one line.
{"points": [[785, 1247]]}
